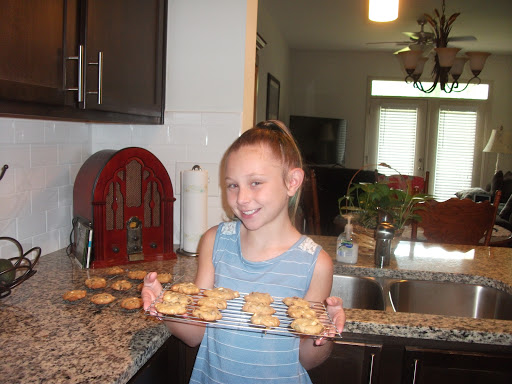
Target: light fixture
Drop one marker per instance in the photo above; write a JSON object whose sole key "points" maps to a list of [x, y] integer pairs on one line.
{"points": [[499, 142], [446, 62], [383, 10]]}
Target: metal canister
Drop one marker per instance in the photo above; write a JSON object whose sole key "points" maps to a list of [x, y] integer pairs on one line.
{"points": [[383, 236]]}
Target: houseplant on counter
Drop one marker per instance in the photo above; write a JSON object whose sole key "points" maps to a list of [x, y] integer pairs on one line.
{"points": [[366, 202]]}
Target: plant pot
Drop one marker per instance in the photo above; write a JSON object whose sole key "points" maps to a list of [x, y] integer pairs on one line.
{"points": [[365, 238]]}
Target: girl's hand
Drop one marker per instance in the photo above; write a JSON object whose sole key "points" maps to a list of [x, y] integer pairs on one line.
{"points": [[151, 290], [335, 310]]}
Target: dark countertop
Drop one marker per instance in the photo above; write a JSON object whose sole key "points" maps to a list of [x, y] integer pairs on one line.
{"points": [[44, 338]]}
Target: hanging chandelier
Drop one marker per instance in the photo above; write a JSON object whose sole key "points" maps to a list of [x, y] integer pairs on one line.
{"points": [[447, 66]]}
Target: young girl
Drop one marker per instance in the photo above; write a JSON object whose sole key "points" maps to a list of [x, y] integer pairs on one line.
{"points": [[260, 251]]}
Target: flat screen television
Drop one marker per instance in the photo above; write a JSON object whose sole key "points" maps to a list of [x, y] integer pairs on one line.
{"points": [[320, 139]]}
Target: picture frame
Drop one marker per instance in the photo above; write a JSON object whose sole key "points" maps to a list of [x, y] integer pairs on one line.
{"points": [[273, 90]]}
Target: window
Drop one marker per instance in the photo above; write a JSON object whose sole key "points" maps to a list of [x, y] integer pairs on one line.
{"points": [[413, 135]]}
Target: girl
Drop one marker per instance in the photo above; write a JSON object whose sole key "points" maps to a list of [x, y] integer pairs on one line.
{"points": [[260, 251]]}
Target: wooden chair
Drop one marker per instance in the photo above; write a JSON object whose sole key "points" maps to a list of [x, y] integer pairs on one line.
{"points": [[310, 221], [457, 221], [412, 184]]}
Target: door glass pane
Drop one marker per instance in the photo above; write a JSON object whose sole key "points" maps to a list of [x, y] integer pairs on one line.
{"points": [[397, 140], [455, 152]]}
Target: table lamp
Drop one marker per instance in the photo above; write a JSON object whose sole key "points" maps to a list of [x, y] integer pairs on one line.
{"points": [[499, 142]]}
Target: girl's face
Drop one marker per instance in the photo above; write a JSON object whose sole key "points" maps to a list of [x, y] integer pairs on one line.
{"points": [[256, 189]]}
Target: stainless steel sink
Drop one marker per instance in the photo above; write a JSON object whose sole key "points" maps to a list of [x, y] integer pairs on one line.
{"points": [[450, 299], [358, 292]]}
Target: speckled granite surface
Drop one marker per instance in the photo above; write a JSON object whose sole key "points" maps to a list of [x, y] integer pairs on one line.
{"points": [[45, 339]]}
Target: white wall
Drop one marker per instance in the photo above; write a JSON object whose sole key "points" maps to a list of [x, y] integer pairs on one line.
{"points": [[204, 113]]}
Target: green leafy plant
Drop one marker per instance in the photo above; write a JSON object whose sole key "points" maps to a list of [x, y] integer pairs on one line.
{"points": [[366, 201]]}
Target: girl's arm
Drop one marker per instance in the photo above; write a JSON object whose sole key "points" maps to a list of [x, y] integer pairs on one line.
{"points": [[314, 351], [189, 333]]}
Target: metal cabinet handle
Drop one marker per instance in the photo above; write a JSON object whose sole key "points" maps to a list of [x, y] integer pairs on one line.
{"points": [[99, 92], [415, 370], [80, 63], [371, 369]]}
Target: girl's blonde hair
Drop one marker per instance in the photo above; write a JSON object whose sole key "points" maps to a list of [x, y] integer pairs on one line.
{"points": [[276, 135]]}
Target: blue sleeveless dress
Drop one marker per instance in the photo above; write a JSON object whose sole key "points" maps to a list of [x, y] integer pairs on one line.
{"points": [[238, 356]]}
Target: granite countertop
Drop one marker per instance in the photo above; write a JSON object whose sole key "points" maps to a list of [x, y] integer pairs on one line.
{"points": [[46, 339]]}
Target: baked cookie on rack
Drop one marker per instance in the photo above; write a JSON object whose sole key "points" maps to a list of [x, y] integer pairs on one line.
{"points": [[257, 307], [113, 271], [259, 297], [74, 295], [121, 285], [295, 300], [164, 278], [268, 321], [214, 302], [137, 275], [96, 282], [186, 288], [222, 293], [301, 312], [131, 303], [176, 297], [171, 308], [102, 298], [307, 326], [207, 313]]}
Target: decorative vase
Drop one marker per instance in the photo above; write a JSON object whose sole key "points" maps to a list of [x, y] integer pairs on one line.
{"points": [[365, 237]]}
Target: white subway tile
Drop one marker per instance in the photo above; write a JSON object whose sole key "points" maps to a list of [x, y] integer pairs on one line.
{"points": [[151, 134], [15, 205], [43, 155], [80, 133], [194, 135], [70, 153], [56, 132], [64, 233], [30, 178], [66, 196], [188, 118], [15, 156], [48, 242], [57, 176], [223, 119], [32, 225], [58, 218], [8, 228], [7, 185], [44, 199], [118, 134], [73, 171], [28, 131], [6, 131]]}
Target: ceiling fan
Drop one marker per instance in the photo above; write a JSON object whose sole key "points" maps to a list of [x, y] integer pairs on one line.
{"points": [[421, 40]]}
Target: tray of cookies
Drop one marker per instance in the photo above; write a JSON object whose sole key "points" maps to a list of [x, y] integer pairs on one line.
{"points": [[255, 311]]}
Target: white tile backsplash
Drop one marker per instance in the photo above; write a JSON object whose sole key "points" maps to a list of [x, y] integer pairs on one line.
{"points": [[40, 214]]}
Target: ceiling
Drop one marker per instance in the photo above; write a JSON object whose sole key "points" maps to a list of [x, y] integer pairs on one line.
{"points": [[344, 24]]}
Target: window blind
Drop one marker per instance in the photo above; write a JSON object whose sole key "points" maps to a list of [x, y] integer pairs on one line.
{"points": [[397, 139], [455, 152]]}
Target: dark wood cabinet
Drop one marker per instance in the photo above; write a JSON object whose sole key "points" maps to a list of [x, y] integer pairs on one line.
{"points": [[88, 60], [434, 366], [349, 364]]}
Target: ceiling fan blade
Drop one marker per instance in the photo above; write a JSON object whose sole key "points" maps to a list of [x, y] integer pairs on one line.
{"points": [[390, 42], [412, 35], [462, 38]]}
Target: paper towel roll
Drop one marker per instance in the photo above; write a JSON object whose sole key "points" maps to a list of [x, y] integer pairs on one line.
{"points": [[194, 208]]}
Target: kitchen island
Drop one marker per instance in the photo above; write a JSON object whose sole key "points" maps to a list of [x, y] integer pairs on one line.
{"points": [[46, 339]]}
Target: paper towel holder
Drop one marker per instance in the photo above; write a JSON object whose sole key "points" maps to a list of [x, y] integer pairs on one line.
{"points": [[180, 250]]}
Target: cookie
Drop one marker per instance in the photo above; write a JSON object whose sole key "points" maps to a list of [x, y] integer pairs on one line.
{"points": [[74, 295], [222, 293], [214, 302], [102, 298], [259, 297], [257, 307], [295, 300], [140, 286], [137, 275], [131, 303], [300, 312], [171, 308], [307, 326], [121, 285], [177, 298], [207, 313], [112, 271], [164, 278], [96, 282], [186, 288], [266, 320]]}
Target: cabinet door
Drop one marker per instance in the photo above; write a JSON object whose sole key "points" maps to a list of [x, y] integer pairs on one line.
{"points": [[349, 364], [128, 37], [32, 36], [425, 366]]}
